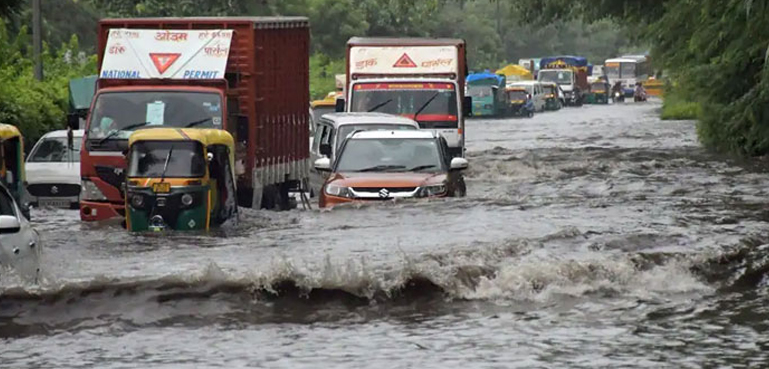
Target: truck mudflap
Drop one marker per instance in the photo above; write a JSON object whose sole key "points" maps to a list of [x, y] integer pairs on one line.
{"points": [[92, 211]]}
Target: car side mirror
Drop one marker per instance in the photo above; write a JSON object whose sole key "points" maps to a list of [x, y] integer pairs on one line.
{"points": [[241, 128], [9, 224], [340, 105], [323, 165], [459, 164], [467, 106], [325, 149], [73, 121]]}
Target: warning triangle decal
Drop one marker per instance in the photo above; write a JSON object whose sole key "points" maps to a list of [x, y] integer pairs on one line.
{"points": [[405, 62], [163, 61]]}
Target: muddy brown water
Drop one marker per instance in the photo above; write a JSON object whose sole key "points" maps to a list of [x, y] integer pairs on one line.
{"points": [[591, 237]]}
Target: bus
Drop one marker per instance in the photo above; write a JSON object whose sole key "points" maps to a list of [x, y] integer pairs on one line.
{"points": [[627, 69]]}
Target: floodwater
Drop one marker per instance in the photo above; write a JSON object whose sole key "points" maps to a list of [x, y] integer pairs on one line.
{"points": [[591, 237]]}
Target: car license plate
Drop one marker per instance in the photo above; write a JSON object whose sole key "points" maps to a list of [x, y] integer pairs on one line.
{"points": [[162, 187], [53, 203]]}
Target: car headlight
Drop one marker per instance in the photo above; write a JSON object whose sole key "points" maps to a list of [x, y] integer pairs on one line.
{"points": [[339, 191], [187, 199], [433, 190], [89, 191]]}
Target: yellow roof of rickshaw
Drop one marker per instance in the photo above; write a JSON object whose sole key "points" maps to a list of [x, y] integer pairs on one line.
{"points": [[329, 100], [8, 131], [206, 136], [516, 70]]}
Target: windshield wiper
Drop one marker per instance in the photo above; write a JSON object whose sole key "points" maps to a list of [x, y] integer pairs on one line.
{"points": [[113, 132], [165, 166], [192, 124], [425, 104], [382, 168], [375, 108], [422, 167]]}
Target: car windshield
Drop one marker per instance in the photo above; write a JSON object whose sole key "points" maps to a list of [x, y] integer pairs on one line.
{"points": [[560, 77], [517, 95], [390, 155], [148, 159], [479, 91], [435, 99], [346, 129], [55, 150], [116, 114]]}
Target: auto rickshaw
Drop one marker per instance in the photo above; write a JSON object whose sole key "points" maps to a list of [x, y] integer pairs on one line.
{"points": [[599, 92], [520, 102], [180, 179], [12, 172], [552, 98]]}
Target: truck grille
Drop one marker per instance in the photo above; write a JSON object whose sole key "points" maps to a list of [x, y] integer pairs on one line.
{"points": [[389, 189], [54, 190]]}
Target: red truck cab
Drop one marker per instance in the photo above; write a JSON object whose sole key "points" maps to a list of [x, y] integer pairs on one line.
{"points": [[248, 75]]}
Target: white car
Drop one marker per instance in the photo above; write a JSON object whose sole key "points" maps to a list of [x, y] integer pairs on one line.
{"points": [[53, 171], [20, 246]]}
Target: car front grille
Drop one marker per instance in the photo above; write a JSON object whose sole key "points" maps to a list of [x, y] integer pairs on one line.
{"points": [[54, 190]]}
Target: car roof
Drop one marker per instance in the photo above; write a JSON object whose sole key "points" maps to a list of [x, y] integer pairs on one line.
{"points": [[393, 134], [63, 133], [340, 119]]}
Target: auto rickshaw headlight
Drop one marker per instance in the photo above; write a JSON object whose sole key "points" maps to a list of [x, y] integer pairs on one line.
{"points": [[137, 201], [187, 199]]}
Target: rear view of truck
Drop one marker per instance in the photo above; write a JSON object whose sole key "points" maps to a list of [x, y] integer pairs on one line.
{"points": [[247, 75], [419, 78]]}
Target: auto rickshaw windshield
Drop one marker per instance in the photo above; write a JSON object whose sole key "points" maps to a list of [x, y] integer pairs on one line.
{"points": [[169, 159]]}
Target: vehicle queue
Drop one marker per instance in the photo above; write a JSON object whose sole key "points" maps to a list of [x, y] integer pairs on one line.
{"points": [[176, 149]]}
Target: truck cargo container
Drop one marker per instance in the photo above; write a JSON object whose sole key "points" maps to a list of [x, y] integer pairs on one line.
{"points": [[248, 75], [419, 78]]}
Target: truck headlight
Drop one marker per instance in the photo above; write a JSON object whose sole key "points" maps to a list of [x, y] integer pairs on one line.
{"points": [[339, 191], [433, 190], [89, 191]]}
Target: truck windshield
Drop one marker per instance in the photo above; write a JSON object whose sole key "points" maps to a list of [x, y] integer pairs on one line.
{"points": [[561, 77], [437, 101], [390, 155], [479, 91], [116, 114], [55, 150], [148, 159]]}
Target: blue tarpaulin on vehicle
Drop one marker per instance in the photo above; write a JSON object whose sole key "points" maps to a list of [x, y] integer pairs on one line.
{"points": [[576, 61], [475, 77]]}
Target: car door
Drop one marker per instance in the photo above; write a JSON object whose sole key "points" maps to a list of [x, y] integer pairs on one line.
{"points": [[19, 247], [323, 134]]}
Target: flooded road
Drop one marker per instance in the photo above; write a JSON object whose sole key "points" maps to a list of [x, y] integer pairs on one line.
{"points": [[591, 237]]}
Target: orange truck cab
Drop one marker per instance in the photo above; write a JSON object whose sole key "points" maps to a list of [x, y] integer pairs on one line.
{"points": [[246, 75]]}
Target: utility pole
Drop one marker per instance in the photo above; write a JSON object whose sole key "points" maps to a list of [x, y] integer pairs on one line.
{"points": [[499, 21], [37, 38]]}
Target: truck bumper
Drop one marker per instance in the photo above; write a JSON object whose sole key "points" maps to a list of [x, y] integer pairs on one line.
{"points": [[95, 211]]}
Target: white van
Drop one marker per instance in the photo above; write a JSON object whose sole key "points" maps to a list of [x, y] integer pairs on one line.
{"points": [[536, 91]]}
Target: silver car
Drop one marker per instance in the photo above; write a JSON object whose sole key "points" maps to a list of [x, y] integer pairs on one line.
{"points": [[20, 247]]}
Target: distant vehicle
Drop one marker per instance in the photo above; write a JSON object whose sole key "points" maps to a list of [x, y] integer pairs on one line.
{"points": [[20, 246], [385, 165], [418, 78], [569, 72], [53, 171], [536, 93], [334, 128], [628, 70], [520, 101], [553, 96], [487, 91]]}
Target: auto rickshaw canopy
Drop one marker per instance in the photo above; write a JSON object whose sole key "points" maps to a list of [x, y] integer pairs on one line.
{"points": [[516, 72], [207, 137], [8, 131], [329, 100]]}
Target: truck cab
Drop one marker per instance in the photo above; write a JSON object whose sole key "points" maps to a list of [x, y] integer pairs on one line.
{"points": [[420, 79]]}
